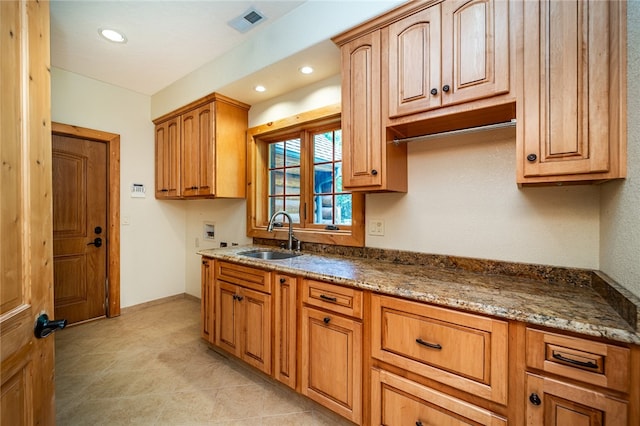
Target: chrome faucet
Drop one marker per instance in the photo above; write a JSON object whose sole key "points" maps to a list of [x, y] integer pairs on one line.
{"points": [[291, 237]]}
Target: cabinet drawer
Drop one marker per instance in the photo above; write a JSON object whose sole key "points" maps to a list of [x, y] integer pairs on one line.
{"points": [[396, 401], [591, 362], [462, 350], [342, 300], [245, 276]]}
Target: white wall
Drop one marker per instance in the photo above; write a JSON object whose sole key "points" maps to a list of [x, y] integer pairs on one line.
{"points": [[463, 200], [152, 247], [229, 217], [620, 228]]}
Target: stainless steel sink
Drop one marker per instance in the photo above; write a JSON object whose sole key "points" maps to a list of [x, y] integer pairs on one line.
{"points": [[267, 254]]}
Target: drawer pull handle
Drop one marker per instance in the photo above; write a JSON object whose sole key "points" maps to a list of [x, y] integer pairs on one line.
{"points": [[427, 344], [328, 298], [588, 364]]}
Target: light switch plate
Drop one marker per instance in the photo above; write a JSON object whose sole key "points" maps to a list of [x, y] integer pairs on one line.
{"points": [[376, 227]]}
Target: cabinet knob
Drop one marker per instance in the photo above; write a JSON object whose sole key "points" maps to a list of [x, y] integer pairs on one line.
{"points": [[418, 423], [434, 91], [535, 399], [445, 88], [532, 157], [326, 320], [374, 172], [194, 187], [283, 280]]}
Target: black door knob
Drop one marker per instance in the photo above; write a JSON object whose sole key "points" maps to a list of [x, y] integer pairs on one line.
{"points": [[98, 230], [326, 320], [434, 91], [445, 88], [532, 157], [374, 172], [97, 242], [535, 399], [44, 327]]}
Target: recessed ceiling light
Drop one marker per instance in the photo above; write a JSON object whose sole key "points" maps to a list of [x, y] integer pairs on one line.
{"points": [[112, 35], [260, 88], [306, 70]]}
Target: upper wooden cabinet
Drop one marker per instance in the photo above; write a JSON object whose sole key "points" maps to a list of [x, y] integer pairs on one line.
{"points": [[369, 163], [168, 158], [422, 68], [572, 97], [450, 53], [201, 150]]}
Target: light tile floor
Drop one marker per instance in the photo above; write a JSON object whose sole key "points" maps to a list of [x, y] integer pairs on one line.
{"points": [[150, 367]]}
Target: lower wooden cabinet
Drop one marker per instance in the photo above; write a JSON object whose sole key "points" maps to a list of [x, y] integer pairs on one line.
{"points": [[554, 403], [243, 324], [285, 329], [207, 306], [397, 401], [332, 362]]}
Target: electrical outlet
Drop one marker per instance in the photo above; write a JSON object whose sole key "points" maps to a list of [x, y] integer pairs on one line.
{"points": [[376, 227]]}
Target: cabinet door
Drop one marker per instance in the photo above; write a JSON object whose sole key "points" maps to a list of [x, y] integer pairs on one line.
{"points": [[475, 49], [197, 152], [413, 45], [227, 317], [361, 120], [168, 159], [255, 328], [572, 84], [207, 301], [552, 403], [284, 363], [332, 362], [396, 401]]}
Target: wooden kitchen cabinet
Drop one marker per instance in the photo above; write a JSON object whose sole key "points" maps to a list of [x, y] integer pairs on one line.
{"points": [[556, 403], [211, 151], [285, 329], [452, 52], [575, 381], [572, 95], [369, 163], [168, 159], [243, 322], [331, 371], [397, 401], [437, 343], [207, 304]]}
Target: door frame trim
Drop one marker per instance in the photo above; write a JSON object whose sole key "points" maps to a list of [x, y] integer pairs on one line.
{"points": [[112, 141]]}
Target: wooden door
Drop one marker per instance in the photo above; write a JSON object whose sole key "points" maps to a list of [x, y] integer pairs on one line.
{"points": [[197, 152], [226, 317], [80, 231], [554, 403], [565, 103], [168, 159], [207, 314], [284, 363], [255, 329], [26, 252], [362, 129], [332, 362], [414, 62], [473, 65]]}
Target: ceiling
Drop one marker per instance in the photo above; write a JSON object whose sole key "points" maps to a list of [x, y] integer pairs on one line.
{"points": [[167, 40]]}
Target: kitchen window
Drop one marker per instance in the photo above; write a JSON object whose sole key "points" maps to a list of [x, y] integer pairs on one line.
{"points": [[296, 166]]}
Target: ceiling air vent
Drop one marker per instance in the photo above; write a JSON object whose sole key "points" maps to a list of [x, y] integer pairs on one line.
{"points": [[247, 20]]}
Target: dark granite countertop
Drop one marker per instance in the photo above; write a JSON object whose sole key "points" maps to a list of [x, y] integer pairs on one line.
{"points": [[562, 305]]}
